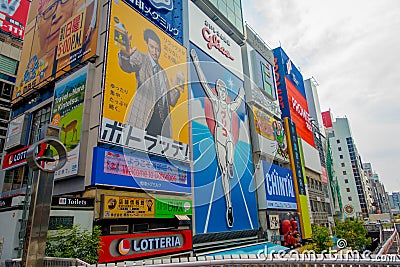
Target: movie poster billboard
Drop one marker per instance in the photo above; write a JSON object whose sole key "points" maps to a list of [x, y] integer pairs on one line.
{"points": [[167, 15], [145, 95], [13, 17], [224, 191], [116, 168], [67, 113], [61, 36]]}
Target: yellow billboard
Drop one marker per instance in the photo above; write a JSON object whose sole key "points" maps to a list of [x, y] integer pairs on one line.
{"points": [[145, 84], [264, 123], [116, 207], [60, 35]]}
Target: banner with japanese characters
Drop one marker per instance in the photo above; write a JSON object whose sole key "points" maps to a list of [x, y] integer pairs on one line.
{"points": [[145, 95], [13, 17], [166, 14], [115, 168]]}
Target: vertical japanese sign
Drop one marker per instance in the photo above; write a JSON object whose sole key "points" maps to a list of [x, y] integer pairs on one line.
{"points": [[295, 157], [67, 113], [60, 35], [145, 94], [13, 16], [291, 95]]}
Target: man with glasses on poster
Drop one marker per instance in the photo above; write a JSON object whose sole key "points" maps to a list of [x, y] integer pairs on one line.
{"points": [[56, 22]]}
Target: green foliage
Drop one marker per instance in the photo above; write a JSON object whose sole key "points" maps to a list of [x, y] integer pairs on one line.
{"points": [[308, 248], [75, 243], [321, 238], [354, 232]]}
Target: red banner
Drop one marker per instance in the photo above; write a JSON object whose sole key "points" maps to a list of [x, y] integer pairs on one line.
{"points": [[18, 157], [132, 246], [13, 16]]}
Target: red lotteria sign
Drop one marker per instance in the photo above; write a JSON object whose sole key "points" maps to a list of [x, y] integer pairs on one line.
{"points": [[133, 246], [18, 157]]}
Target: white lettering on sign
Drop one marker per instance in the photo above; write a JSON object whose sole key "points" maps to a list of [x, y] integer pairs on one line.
{"points": [[302, 112], [148, 244], [278, 185]]}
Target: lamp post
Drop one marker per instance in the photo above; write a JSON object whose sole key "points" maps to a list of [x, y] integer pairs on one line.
{"points": [[40, 204]]}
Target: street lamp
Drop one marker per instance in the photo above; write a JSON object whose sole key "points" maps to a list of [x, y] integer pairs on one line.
{"points": [[41, 194]]}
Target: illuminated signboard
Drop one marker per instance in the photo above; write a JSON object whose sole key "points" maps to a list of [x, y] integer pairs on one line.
{"points": [[279, 187], [128, 170], [132, 246], [291, 95]]}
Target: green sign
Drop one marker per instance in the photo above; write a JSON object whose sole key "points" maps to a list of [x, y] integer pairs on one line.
{"points": [[167, 208]]}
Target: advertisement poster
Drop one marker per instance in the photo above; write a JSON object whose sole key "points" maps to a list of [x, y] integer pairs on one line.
{"points": [[292, 96], [62, 36], [167, 15], [13, 17], [67, 113], [224, 192], [209, 37], [116, 207], [145, 94], [279, 187], [127, 170]]}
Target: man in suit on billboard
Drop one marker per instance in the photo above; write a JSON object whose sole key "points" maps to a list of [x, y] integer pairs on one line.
{"points": [[150, 109]]}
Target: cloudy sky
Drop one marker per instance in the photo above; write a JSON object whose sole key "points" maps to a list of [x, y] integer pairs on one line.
{"points": [[352, 50]]}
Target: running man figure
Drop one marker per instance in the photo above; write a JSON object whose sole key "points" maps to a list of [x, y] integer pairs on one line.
{"points": [[223, 139]]}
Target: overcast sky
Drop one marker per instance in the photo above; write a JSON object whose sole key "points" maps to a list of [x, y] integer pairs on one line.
{"points": [[352, 50]]}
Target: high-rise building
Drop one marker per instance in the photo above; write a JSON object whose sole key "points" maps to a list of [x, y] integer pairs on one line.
{"points": [[348, 168]]}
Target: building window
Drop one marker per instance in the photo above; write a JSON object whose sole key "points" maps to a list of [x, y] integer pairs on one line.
{"points": [[338, 141], [341, 156], [342, 164], [339, 148], [350, 198], [40, 118], [56, 222], [344, 172], [346, 181], [347, 189], [6, 90]]}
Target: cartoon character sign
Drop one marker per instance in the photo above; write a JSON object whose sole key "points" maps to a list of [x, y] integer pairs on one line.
{"points": [[222, 155]]}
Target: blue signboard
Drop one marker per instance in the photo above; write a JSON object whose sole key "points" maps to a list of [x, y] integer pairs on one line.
{"points": [[224, 192], [279, 186], [127, 170], [166, 14]]}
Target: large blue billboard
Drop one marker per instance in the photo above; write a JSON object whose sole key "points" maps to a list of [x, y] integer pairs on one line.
{"points": [[167, 15], [115, 168], [224, 193], [279, 187]]}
